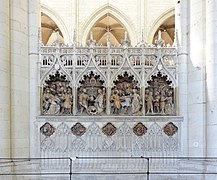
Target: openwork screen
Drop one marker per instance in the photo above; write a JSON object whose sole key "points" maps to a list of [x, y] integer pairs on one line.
{"points": [[109, 101]]}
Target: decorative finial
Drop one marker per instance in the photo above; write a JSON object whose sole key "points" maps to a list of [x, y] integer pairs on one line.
{"points": [[108, 40], [176, 41], [159, 41], [91, 41], [159, 35], [57, 41], [125, 35], [91, 35], [125, 42], [74, 38]]}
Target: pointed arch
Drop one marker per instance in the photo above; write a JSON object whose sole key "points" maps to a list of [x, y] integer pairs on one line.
{"points": [[58, 20], [164, 16], [101, 12]]}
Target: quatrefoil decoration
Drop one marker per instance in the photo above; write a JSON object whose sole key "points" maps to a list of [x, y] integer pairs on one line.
{"points": [[109, 129], [170, 129], [47, 129], [139, 129], [78, 129]]}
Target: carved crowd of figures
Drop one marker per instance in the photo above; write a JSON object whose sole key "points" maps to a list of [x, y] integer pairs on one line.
{"points": [[109, 80], [127, 103], [159, 96], [125, 97], [57, 97]]}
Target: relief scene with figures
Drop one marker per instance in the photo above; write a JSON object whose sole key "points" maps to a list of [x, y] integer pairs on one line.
{"points": [[102, 81]]}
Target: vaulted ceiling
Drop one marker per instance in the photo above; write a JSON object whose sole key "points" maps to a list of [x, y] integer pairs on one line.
{"points": [[167, 29], [105, 26], [49, 29]]}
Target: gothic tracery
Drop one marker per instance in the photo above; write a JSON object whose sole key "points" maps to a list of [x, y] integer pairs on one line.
{"points": [[109, 80]]}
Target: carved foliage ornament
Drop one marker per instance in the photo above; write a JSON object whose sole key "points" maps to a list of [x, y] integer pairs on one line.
{"points": [[47, 129], [139, 129], [109, 129], [78, 129], [170, 129]]}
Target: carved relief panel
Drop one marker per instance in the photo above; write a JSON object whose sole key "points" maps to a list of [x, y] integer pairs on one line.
{"points": [[125, 97], [91, 95], [115, 80], [160, 96], [57, 96]]}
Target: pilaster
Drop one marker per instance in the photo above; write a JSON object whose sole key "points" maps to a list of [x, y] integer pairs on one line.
{"points": [[19, 78], [181, 25], [34, 24], [196, 79], [4, 79], [211, 76]]}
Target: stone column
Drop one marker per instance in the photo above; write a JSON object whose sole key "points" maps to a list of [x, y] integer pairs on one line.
{"points": [[4, 79], [75, 100], [181, 24], [196, 78], [143, 80], [19, 79], [74, 88], [211, 76], [108, 89], [108, 104], [34, 24]]}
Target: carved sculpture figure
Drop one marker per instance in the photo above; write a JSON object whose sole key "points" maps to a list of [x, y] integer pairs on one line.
{"points": [[67, 105], [150, 103], [136, 102], [115, 98], [169, 107], [126, 103], [54, 106], [99, 101], [162, 102], [157, 102], [83, 100], [46, 100]]}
